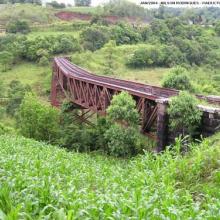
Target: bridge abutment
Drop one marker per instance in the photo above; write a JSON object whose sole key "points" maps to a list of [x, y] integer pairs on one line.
{"points": [[210, 123]]}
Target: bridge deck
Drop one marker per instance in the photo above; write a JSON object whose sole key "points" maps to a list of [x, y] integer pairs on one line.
{"points": [[144, 90]]}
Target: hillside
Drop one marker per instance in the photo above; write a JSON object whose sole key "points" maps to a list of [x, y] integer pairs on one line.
{"points": [[42, 181], [34, 14]]}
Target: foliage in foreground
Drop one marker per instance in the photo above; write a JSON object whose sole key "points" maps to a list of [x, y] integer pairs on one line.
{"points": [[37, 120], [41, 181], [184, 115]]}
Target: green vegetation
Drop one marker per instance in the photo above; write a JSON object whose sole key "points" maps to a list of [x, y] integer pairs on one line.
{"points": [[94, 37], [184, 115], [124, 8], [15, 93], [122, 135], [43, 181], [37, 120], [34, 14], [55, 4], [217, 28], [82, 3], [88, 173], [6, 60], [17, 27], [178, 78]]}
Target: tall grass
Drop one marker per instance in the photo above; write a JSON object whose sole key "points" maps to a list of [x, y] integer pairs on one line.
{"points": [[38, 181]]}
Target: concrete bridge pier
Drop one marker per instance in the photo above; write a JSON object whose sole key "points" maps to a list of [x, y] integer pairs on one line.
{"points": [[162, 124]]}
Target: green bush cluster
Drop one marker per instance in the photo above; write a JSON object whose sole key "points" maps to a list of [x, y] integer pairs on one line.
{"points": [[177, 42], [166, 56], [178, 78], [6, 130], [15, 93], [17, 26], [37, 120], [116, 135], [94, 38], [19, 47], [184, 115]]}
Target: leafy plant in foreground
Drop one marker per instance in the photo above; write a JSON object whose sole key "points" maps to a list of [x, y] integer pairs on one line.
{"points": [[184, 115], [37, 120]]}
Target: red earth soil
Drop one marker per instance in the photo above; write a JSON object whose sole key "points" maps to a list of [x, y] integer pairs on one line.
{"points": [[71, 16]]}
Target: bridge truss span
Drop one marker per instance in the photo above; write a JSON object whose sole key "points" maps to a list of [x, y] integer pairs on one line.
{"points": [[94, 93]]}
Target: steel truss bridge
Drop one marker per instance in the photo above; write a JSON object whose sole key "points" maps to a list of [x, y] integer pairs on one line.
{"points": [[93, 94]]}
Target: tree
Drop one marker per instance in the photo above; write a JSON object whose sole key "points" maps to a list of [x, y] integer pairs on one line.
{"points": [[123, 110], [177, 78], [6, 60], [161, 31], [82, 2], [122, 135], [94, 37], [147, 56], [184, 115], [109, 55], [43, 61], [37, 120], [65, 45], [17, 26], [217, 28], [125, 34], [55, 4], [124, 8], [16, 93]]}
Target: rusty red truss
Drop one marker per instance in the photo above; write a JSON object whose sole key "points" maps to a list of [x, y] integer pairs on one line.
{"points": [[93, 92]]}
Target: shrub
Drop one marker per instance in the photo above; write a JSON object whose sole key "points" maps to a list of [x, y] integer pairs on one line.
{"points": [[123, 109], [5, 130], [43, 61], [6, 60], [55, 4], [37, 120], [18, 26], [121, 141], [177, 78], [65, 44], [122, 135], [125, 34], [161, 31], [173, 56], [110, 57], [16, 93], [217, 28], [184, 115], [143, 57], [82, 2], [46, 46], [124, 8], [94, 37]]}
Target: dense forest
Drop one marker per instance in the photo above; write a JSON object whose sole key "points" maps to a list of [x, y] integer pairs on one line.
{"points": [[53, 167]]}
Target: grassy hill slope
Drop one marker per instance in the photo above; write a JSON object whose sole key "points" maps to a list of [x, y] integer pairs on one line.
{"points": [[34, 14], [41, 181]]}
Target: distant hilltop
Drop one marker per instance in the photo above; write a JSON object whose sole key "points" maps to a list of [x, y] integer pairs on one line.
{"points": [[71, 16]]}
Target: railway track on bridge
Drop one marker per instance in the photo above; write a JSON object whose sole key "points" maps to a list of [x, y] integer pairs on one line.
{"points": [[152, 92]]}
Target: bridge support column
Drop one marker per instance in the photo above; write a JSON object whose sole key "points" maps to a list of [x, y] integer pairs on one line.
{"points": [[162, 124], [54, 88]]}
